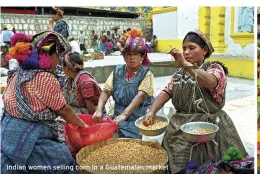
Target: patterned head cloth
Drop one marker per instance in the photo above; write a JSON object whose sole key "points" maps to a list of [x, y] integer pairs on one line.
{"points": [[133, 41], [204, 38], [30, 52]]}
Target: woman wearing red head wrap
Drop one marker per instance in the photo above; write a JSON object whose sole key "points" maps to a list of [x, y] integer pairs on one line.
{"points": [[131, 85]]}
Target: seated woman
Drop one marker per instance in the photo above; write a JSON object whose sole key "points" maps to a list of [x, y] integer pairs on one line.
{"points": [[81, 90], [211, 89], [31, 134], [131, 86]]}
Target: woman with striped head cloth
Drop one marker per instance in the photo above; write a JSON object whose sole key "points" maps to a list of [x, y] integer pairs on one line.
{"points": [[198, 94], [131, 85], [31, 133]]}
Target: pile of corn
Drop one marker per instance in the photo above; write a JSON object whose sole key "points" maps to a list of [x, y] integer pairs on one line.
{"points": [[125, 154], [158, 124], [201, 131]]}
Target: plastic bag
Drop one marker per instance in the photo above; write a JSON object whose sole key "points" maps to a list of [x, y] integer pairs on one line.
{"points": [[77, 138]]}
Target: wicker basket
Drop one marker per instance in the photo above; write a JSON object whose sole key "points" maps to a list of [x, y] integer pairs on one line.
{"points": [[84, 152]]}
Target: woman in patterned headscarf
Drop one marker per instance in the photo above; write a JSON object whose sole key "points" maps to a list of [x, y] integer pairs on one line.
{"points": [[211, 90], [31, 133], [131, 85], [61, 26], [81, 89]]}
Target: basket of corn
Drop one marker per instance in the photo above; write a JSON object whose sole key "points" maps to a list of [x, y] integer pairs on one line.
{"points": [[122, 155]]}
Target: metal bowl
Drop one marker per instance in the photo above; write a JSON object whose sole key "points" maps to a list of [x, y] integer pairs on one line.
{"points": [[188, 127], [152, 132]]}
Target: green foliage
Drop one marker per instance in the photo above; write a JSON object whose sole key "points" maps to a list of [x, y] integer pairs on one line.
{"points": [[227, 158], [233, 154]]}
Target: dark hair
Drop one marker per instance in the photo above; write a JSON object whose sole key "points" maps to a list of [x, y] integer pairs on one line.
{"points": [[53, 49], [54, 12], [108, 32], [74, 58], [196, 39], [93, 31], [217, 62]]}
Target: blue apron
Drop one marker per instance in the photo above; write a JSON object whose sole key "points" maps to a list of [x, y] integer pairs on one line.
{"points": [[123, 93]]}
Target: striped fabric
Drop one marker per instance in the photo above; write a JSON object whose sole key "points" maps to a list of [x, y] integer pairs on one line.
{"points": [[81, 89], [32, 144], [37, 95], [41, 92], [218, 93], [176, 145]]}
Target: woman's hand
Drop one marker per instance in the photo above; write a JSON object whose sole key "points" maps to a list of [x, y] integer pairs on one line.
{"points": [[83, 126], [97, 116], [51, 21], [70, 116], [121, 117], [150, 116], [178, 56]]}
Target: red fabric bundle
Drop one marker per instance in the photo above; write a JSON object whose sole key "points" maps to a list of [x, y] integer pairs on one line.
{"points": [[77, 138]]}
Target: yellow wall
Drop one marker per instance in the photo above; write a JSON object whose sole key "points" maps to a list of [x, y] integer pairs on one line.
{"points": [[242, 38], [236, 67], [164, 45], [163, 10], [218, 29], [204, 20]]}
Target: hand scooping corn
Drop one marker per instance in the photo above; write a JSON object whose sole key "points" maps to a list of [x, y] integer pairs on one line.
{"points": [[158, 124]]}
